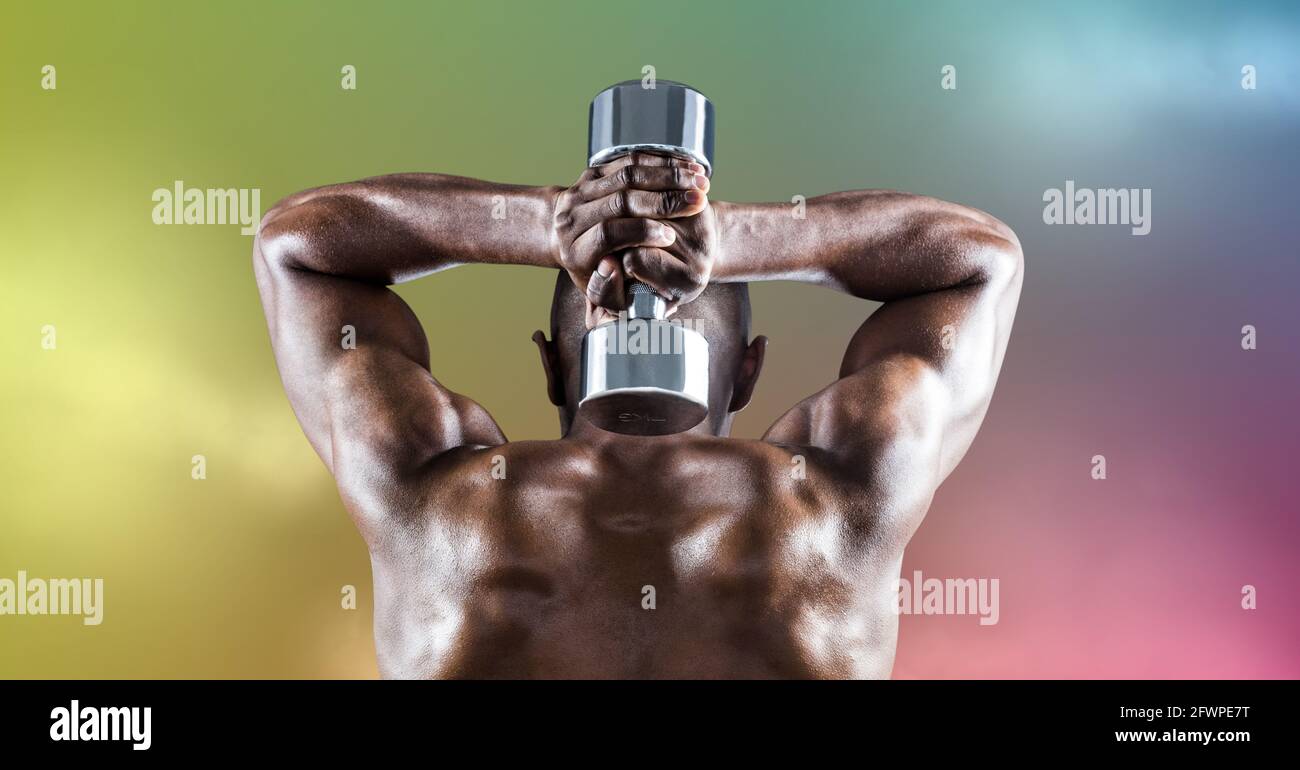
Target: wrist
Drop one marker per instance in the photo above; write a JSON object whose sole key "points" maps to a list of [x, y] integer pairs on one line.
{"points": [[751, 241], [725, 215], [550, 196]]}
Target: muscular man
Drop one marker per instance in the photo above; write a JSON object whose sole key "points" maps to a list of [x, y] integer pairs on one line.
{"points": [[756, 571]]}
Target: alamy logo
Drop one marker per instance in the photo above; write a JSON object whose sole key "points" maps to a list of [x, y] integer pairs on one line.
{"points": [[950, 596], [639, 336], [56, 596], [88, 723], [1108, 206], [214, 206]]}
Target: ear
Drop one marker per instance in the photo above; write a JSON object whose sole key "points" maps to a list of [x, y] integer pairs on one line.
{"points": [[551, 365], [750, 367]]}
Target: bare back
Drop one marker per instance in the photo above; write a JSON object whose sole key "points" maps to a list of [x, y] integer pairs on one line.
{"points": [[718, 558]]}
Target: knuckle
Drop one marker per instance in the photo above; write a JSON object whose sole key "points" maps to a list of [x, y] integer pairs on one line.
{"points": [[631, 262], [617, 202], [593, 241], [600, 236], [564, 219], [687, 277], [650, 229]]}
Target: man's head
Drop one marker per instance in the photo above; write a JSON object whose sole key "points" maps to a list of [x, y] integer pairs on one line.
{"points": [[720, 313]]}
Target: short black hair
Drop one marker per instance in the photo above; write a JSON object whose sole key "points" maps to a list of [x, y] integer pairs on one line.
{"points": [[721, 313]]}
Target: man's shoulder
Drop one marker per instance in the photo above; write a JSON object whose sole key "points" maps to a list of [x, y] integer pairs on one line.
{"points": [[564, 460], [525, 483], [482, 477], [756, 465]]}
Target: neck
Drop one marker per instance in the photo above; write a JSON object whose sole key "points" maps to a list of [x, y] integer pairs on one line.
{"points": [[575, 429]]}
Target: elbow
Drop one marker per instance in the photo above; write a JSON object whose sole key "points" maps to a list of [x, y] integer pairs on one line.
{"points": [[995, 253], [321, 231], [286, 234], [1008, 256], [273, 242]]}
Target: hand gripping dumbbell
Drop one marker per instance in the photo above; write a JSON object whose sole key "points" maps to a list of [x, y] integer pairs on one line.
{"points": [[641, 374]]}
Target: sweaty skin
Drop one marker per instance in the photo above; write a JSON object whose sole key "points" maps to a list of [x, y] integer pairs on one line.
{"points": [[604, 556]]}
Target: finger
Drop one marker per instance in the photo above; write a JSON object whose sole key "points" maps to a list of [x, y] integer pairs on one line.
{"points": [[673, 204], [571, 196], [647, 159], [588, 174], [611, 235], [642, 178], [670, 277], [597, 315], [605, 289]]}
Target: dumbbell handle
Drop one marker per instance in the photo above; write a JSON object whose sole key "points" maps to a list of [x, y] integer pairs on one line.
{"points": [[643, 302]]}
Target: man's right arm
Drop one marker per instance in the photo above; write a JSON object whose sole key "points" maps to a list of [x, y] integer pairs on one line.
{"points": [[323, 260]]}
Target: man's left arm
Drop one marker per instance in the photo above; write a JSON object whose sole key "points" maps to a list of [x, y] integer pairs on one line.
{"points": [[918, 375]]}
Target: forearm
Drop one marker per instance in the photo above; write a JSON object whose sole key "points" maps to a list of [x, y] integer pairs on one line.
{"points": [[396, 228], [878, 245]]}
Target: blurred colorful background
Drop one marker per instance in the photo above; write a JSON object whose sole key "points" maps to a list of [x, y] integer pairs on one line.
{"points": [[1124, 346]]}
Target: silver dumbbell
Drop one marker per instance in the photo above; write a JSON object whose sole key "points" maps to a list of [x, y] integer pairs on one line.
{"points": [[641, 374]]}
